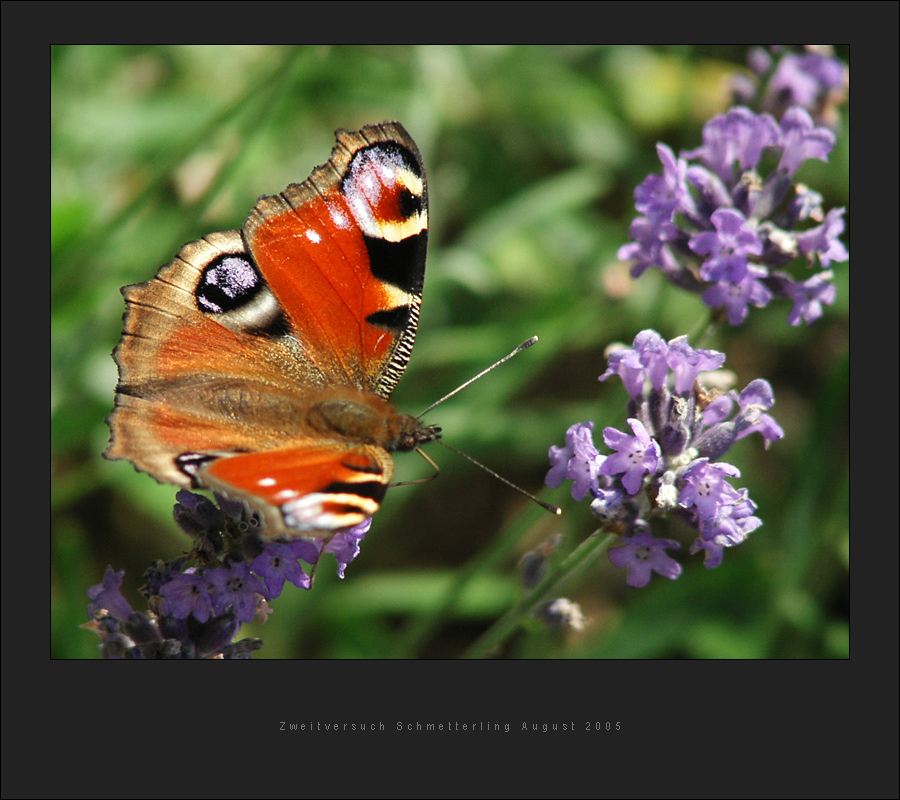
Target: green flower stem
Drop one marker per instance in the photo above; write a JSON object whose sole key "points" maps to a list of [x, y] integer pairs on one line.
{"points": [[704, 329], [551, 586]]}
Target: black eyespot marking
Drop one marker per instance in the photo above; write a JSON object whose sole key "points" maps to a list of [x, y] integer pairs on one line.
{"points": [[343, 509], [228, 283], [410, 204], [399, 263], [393, 319], [374, 490], [190, 464]]}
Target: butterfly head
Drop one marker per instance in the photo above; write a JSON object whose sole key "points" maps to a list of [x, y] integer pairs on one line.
{"points": [[416, 434]]}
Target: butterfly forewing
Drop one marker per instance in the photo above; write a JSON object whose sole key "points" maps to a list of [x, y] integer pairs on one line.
{"points": [[367, 206]]}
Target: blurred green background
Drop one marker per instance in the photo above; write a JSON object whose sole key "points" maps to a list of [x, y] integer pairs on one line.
{"points": [[533, 154]]}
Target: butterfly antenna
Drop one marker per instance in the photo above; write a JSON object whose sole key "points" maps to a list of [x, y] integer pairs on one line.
{"points": [[524, 346], [552, 509]]}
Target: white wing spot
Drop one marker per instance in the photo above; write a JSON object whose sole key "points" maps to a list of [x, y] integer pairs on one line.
{"points": [[369, 184], [338, 217]]}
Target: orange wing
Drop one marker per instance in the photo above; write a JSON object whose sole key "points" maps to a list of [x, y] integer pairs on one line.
{"points": [[317, 486], [344, 254]]}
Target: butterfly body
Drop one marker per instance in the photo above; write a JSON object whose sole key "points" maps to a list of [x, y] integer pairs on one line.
{"points": [[260, 362]]}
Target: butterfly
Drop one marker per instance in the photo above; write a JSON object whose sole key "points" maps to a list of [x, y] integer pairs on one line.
{"points": [[259, 362]]}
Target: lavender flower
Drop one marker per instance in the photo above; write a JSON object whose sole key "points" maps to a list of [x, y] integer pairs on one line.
{"points": [[671, 464], [279, 563], [729, 247], [198, 602], [186, 594], [235, 588], [643, 554], [726, 230], [809, 296], [814, 80], [344, 546], [577, 461], [637, 455], [107, 597]]}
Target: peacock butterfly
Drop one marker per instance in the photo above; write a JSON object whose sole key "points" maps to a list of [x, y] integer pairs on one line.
{"points": [[259, 362]]}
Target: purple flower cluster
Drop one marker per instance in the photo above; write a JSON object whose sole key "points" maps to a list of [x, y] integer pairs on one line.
{"points": [[719, 228], [814, 80], [197, 603], [125, 633], [669, 463]]}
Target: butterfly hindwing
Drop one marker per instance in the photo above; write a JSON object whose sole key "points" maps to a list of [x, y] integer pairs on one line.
{"points": [[314, 486]]}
